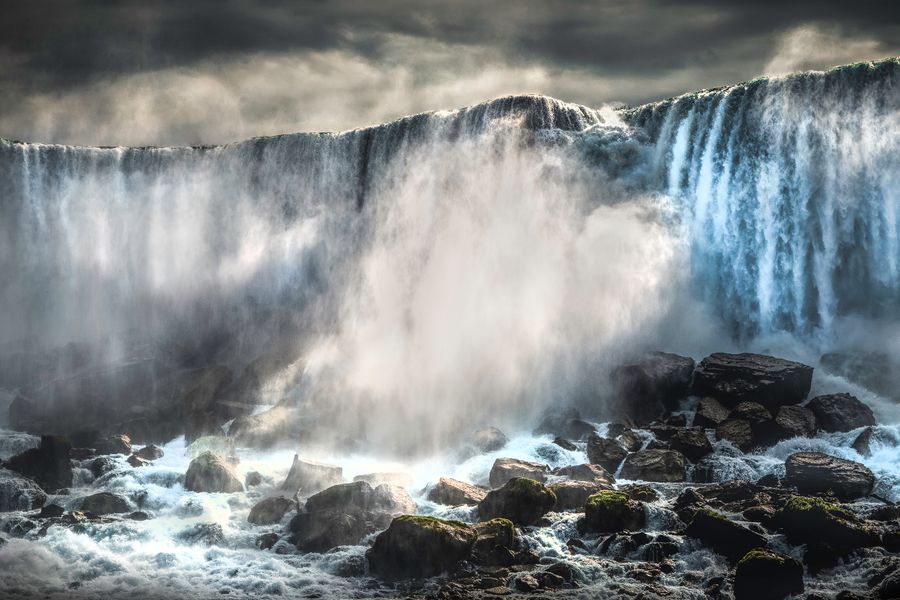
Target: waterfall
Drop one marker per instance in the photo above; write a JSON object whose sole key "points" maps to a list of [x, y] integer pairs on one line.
{"points": [[790, 189]]}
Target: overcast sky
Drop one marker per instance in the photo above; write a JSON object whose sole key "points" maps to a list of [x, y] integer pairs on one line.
{"points": [[208, 71]]}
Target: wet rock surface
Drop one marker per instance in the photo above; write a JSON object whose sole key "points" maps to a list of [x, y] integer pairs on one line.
{"points": [[840, 412], [818, 473], [505, 469], [210, 472], [733, 378], [654, 465]]}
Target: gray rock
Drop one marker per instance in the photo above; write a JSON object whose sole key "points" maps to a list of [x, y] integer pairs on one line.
{"points": [[818, 473], [205, 534], [692, 442], [489, 439], [452, 492], [605, 452], [308, 477], [710, 413], [151, 452], [269, 511], [733, 378], [105, 503], [840, 412], [737, 431], [586, 472], [522, 500], [723, 535], [210, 472], [19, 493], [49, 464], [417, 547], [505, 469], [654, 465], [572, 495], [645, 388]]}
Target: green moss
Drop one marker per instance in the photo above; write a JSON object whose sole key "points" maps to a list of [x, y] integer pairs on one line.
{"points": [[760, 554], [710, 513], [607, 500], [525, 485], [818, 505], [432, 523]]}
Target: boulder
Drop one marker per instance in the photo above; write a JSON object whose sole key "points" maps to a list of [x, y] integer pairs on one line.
{"points": [[725, 537], [710, 413], [764, 575], [308, 476], [269, 511], [645, 388], [818, 473], [452, 492], [49, 464], [654, 465], [840, 412], [114, 444], [19, 493], [792, 421], [566, 423], [734, 378], [505, 469], [489, 439], [102, 465], [493, 546], [814, 521], [417, 547], [605, 452], [572, 495], [151, 452], [565, 444], [691, 442], [590, 473], [521, 500], [345, 513], [611, 511], [104, 503], [737, 431], [210, 472], [376, 479]]}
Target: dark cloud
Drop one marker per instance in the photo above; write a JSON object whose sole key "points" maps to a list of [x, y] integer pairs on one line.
{"points": [[55, 46]]}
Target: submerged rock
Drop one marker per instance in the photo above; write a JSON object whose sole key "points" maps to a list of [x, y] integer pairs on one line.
{"points": [[644, 389], [722, 535], [611, 511], [49, 464], [19, 493], [136, 461], [489, 439], [452, 492], [505, 469], [605, 452], [269, 511], [211, 473], [733, 378], [863, 442], [308, 476], [764, 575], [654, 465], [206, 534], [415, 547], [840, 412], [105, 503], [819, 473], [521, 500]]}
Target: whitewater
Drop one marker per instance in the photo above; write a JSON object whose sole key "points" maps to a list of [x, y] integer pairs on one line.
{"points": [[427, 277]]}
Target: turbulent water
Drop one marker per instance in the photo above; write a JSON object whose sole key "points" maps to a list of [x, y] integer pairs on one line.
{"points": [[447, 271]]}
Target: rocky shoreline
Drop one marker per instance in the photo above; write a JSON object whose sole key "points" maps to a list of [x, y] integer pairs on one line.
{"points": [[653, 492]]}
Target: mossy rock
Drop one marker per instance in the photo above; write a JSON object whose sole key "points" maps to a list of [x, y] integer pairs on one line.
{"points": [[209, 472], [420, 546], [764, 575], [612, 511], [521, 500], [724, 536], [811, 520]]}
